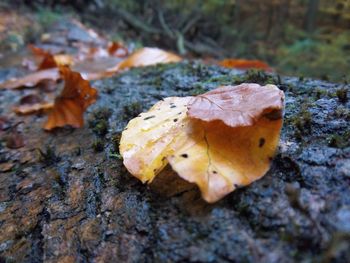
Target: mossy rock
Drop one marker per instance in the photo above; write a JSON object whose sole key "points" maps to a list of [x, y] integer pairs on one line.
{"points": [[84, 206]]}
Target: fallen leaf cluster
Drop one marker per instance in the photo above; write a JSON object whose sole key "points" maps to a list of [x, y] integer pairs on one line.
{"points": [[68, 108], [220, 140]]}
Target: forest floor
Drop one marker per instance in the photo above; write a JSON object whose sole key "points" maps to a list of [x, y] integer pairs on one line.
{"points": [[66, 197]]}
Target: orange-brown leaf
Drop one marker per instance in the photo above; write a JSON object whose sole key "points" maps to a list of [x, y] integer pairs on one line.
{"points": [[148, 56], [236, 106], [244, 64], [70, 106], [117, 49], [212, 150], [49, 60], [219, 158], [31, 80], [33, 108]]}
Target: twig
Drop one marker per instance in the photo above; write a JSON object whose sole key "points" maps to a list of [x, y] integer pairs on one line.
{"points": [[164, 25], [135, 22]]}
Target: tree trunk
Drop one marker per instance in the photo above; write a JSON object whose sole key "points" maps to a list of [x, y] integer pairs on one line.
{"points": [[75, 202], [310, 16]]}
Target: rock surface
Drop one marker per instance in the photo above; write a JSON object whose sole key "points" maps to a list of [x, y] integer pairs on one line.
{"points": [[66, 197]]}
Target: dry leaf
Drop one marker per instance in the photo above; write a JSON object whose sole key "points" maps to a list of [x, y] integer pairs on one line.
{"points": [[31, 80], [30, 99], [33, 108], [69, 107], [63, 60], [117, 49], [244, 64], [49, 60], [228, 145], [148, 56], [14, 140], [240, 105], [219, 158], [31, 103], [145, 141], [97, 68]]}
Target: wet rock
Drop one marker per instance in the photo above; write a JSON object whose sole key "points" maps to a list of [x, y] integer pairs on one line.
{"points": [[72, 204]]}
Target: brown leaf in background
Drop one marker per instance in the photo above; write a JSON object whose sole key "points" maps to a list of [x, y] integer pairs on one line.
{"points": [[70, 106], [92, 69], [32, 79], [33, 108], [117, 49], [244, 64], [14, 140], [31, 103], [30, 99], [49, 60], [148, 56]]}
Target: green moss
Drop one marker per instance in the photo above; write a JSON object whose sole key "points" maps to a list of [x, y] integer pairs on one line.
{"points": [[47, 17], [197, 89], [115, 142], [99, 121], [49, 156], [342, 112], [319, 93], [257, 76], [132, 110], [101, 128], [98, 145], [302, 123], [102, 113], [339, 141], [342, 95]]}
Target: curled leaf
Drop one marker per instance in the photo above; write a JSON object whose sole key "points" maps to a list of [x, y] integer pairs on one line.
{"points": [[227, 145], [219, 158], [240, 105], [69, 107], [148, 56]]}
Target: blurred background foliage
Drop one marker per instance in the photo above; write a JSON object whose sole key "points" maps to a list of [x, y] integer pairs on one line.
{"points": [[308, 38]]}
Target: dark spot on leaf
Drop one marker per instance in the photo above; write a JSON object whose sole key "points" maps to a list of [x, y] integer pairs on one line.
{"points": [[274, 115], [149, 117], [185, 155], [261, 142], [215, 172], [175, 120], [173, 106]]}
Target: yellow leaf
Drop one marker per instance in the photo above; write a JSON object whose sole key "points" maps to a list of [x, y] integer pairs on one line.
{"points": [[220, 140], [219, 158], [145, 141]]}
